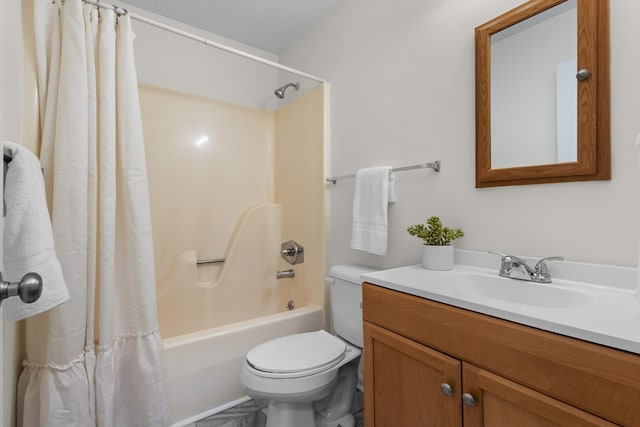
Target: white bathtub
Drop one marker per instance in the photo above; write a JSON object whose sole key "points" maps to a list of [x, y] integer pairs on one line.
{"points": [[204, 367]]}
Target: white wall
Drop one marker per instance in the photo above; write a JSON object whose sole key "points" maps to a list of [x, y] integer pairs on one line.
{"points": [[402, 79], [174, 62]]}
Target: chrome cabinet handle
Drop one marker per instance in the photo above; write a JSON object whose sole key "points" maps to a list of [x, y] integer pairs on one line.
{"points": [[446, 389], [468, 400]]}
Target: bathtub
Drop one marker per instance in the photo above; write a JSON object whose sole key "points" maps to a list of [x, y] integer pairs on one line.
{"points": [[203, 367]]}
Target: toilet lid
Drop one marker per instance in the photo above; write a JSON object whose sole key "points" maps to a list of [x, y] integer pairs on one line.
{"points": [[308, 352]]}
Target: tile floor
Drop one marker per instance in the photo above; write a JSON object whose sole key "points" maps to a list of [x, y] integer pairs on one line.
{"points": [[249, 414]]}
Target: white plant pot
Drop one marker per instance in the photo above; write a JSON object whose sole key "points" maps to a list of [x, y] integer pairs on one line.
{"points": [[437, 257]]}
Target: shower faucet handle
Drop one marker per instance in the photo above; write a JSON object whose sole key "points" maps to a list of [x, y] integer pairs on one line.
{"points": [[292, 252]]}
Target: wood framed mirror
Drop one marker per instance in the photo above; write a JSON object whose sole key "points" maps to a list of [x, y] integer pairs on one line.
{"points": [[506, 121]]}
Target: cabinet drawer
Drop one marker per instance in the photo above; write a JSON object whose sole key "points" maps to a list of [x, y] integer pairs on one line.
{"points": [[597, 379]]}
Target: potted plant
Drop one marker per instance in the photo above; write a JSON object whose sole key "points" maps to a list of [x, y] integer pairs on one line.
{"points": [[437, 251]]}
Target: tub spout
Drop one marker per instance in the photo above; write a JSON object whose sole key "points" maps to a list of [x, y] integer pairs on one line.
{"points": [[286, 274]]}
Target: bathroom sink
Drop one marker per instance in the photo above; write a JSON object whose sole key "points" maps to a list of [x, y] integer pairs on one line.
{"points": [[509, 290], [590, 302]]}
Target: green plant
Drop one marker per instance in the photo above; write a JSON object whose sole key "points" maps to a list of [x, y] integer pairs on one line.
{"points": [[434, 233]]}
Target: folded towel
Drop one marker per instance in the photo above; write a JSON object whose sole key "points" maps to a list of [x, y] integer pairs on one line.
{"points": [[373, 192], [28, 237]]}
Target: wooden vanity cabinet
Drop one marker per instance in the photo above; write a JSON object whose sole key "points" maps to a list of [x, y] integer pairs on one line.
{"points": [[416, 350]]}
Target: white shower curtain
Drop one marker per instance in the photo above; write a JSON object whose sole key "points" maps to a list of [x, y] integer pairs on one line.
{"points": [[96, 360]]}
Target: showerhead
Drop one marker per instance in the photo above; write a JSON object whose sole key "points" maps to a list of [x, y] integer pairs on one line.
{"points": [[280, 91]]}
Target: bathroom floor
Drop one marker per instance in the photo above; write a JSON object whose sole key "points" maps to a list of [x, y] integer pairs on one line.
{"points": [[249, 414]]}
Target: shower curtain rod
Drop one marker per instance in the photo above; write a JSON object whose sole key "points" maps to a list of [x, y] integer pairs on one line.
{"points": [[210, 43]]}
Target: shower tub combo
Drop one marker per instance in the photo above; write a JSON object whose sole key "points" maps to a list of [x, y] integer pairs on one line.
{"points": [[232, 201]]}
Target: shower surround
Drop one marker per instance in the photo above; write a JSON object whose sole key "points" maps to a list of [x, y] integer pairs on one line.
{"points": [[231, 182]]}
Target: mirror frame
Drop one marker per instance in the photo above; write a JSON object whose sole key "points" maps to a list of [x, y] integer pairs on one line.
{"points": [[594, 133]]}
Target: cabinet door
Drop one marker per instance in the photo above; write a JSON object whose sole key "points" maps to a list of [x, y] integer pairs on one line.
{"points": [[499, 402], [403, 381]]}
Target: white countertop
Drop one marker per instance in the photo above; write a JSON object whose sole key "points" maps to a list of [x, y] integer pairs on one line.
{"points": [[610, 315]]}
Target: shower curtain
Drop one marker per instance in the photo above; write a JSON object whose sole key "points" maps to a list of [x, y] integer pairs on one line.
{"points": [[96, 360]]}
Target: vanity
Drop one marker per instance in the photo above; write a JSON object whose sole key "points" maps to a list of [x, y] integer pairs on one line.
{"points": [[469, 348]]}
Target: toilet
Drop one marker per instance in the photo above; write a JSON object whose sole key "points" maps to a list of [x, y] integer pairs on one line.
{"points": [[309, 379]]}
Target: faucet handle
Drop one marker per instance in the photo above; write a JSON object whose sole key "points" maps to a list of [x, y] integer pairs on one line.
{"points": [[541, 272], [498, 253], [541, 265], [508, 258], [507, 263]]}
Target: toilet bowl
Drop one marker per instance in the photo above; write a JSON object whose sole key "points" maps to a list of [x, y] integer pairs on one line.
{"points": [[296, 371], [309, 379]]}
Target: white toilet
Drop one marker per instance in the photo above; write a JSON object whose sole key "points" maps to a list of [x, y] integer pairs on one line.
{"points": [[309, 379]]}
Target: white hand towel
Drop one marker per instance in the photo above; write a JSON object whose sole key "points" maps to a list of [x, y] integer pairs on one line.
{"points": [[374, 187], [392, 187], [28, 237]]}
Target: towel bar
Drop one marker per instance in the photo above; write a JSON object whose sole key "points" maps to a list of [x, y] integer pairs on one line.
{"points": [[209, 261], [434, 165]]}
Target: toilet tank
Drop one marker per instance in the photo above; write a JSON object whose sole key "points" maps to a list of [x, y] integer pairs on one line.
{"points": [[345, 293]]}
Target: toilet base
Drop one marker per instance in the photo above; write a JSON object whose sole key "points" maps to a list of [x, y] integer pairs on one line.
{"points": [[346, 421], [335, 409], [298, 414], [301, 415], [332, 410]]}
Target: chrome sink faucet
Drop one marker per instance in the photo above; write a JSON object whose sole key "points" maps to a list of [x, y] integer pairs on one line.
{"points": [[517, 268]]}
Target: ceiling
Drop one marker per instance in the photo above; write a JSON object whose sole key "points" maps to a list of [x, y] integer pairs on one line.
{"points": [[270, 25]]}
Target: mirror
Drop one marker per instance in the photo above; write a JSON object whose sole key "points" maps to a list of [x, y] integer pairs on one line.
{"points": [[538, 118]]}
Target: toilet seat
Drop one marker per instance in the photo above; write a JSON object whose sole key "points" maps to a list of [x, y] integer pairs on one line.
{"points": [[297, 355]]}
